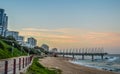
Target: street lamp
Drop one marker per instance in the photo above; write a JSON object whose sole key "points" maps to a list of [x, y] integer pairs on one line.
{"points": [[21, 49], [12, 48], [29, 49]]}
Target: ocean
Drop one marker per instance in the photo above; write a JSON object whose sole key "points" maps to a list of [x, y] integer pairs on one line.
{"points": [[110, 62]]}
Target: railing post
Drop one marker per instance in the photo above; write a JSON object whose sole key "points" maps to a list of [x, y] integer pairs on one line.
{"points": [[19, 63], [6, 67], [23, 62], [26, 62], [83, 57], [14, 66], [30, 59]]}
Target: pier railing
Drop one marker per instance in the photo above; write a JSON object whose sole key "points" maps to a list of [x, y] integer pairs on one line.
{"points": [[81, 52], [15, 65]]}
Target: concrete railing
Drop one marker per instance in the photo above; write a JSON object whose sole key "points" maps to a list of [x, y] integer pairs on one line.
{"points": [[15, 65]]}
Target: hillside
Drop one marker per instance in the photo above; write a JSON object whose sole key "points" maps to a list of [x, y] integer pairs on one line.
{"points": [[6, 50]]}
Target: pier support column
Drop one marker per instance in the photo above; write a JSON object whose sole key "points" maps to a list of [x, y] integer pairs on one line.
{"points": [[73, 56], [92, 57], [63, 55], [82, 57], [102, 57]]}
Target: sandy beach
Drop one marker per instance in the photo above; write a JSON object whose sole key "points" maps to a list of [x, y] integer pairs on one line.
{"points": [[69, 68]]}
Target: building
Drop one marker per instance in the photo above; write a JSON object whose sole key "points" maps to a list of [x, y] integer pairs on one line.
{"points": [[4, 25], [54, 50], [14, 34], [3, 22], [20, 40], [45, 47], [31, 42]]}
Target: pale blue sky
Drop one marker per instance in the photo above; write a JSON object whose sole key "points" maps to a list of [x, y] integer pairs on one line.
{"points": [[97, 15], [67, 23]]}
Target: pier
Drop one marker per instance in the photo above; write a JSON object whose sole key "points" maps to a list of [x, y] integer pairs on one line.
{"points": [[81, 52]]}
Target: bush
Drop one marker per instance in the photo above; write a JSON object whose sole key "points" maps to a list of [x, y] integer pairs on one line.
{"points": [[1, 45], [4, 54], [10, 38]]}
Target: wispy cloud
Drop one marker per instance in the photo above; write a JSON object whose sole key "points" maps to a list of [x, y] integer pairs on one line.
{"points": [[70, 37], [104, 38]]}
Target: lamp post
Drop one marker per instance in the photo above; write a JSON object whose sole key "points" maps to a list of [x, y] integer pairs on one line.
{"points": [[21, 49], [29, 49], [12, 48]]}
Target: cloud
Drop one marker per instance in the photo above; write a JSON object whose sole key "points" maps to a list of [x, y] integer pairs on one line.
{"points": [[72, 37], [61, 30], [103, 38]]}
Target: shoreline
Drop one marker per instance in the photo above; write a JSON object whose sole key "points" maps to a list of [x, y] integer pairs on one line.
{"points": [[105, 65], [94, 67], [70, 68]]}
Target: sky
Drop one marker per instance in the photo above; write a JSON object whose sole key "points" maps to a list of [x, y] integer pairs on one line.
{"points": [[67, 23]]}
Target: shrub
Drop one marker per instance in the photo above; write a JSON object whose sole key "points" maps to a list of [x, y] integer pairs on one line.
{"points": [[1, 45]]}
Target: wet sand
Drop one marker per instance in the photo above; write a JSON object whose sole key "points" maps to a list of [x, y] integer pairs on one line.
{"points": [[69, 68]]}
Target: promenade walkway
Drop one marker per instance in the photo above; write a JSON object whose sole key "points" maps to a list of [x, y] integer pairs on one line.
{"points": [[15, 65]]}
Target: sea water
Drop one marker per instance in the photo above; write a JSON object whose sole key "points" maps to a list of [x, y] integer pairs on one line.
{"points": [[110, 62]]}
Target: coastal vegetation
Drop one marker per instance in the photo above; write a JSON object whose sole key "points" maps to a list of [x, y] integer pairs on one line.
{"points": [[37, 68], [9, 48]]}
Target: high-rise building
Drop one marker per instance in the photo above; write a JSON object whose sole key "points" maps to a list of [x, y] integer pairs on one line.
{"points": [[3, 22], [32, 42], [45, 47], [20, 40], [14, 34]]}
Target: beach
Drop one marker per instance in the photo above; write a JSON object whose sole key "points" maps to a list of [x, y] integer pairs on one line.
{"points": [[70, 68]]}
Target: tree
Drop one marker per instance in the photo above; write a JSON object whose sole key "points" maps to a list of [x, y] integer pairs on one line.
{"points": [[10, 38]]}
